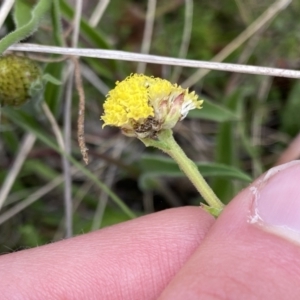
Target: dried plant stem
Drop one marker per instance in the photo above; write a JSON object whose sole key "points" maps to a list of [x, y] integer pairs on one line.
{"points": [[66, 163], [162, 60], [81, 113], [67, 129]]}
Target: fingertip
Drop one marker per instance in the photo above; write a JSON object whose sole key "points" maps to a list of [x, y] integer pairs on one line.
{"points": [[245, 254], [132, 260]]}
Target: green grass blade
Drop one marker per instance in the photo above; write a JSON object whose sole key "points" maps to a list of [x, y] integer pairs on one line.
{"points": [[154, 166], [56, 24], [227, 148], [213, 112]]}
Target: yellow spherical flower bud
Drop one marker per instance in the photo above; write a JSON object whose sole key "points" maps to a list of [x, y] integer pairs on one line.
{"points": [[20, 80], [142, 106]]}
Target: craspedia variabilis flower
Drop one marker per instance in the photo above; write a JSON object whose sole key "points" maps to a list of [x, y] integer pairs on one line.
{"points": [[142, 106], [20, 80]]}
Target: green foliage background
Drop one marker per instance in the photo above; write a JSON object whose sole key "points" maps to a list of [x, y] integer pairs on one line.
{"points": [[240, 132]]}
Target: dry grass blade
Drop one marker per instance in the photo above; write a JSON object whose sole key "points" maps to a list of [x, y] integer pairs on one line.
{"points": [[147, 33], [5, 9], [257, 122], [186, 37], [54, 125], [82, 192], [98, 12], [31, 199], [291, 152], [94, 79], [25, 147], [270, 13], [109, 180]]}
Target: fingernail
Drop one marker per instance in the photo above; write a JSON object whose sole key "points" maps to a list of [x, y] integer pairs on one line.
{"points": [[276, 204]]}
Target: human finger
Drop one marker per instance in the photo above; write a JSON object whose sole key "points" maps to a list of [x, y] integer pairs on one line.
{"points": [[253, 249], [132, 260]]}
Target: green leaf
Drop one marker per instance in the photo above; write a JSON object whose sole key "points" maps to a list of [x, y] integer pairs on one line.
{"points": [[53, 92], [226, 147], [21, 13], [9, 138], [153, 166], [30, 235], [290, 116], [213, 112], [40, 168], [113, 216], [27, 29]]}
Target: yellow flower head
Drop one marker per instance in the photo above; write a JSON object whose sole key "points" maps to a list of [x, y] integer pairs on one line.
{"points": [[142, 106]]}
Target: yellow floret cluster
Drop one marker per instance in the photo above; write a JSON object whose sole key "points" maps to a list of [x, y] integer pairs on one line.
{"points": [[139, 97], [161, 88], [128, 100]]}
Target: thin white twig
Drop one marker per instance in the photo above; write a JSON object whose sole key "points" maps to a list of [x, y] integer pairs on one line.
{"points": [[264, 18], [154, 59], [66, 164], [5, 9], [26, 146], [98, 12], [149, 22], [67, 128], [186, 37]]}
